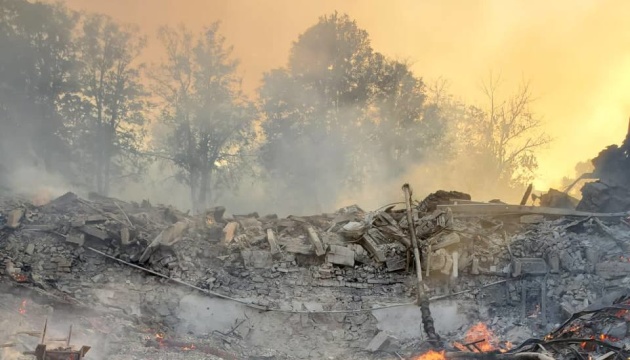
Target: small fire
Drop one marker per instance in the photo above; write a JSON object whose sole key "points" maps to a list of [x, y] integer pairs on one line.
{"points": [[189, 347], [21, 278], [160, 338], [479, 332], [22, 308], [432, 355]]}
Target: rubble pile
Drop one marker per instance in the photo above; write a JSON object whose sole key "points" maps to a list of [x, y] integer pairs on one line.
{"points": [[520, 270], [611, 192]]}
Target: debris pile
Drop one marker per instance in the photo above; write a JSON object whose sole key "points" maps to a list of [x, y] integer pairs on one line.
{"points": [[611, 192], [519, 270]]}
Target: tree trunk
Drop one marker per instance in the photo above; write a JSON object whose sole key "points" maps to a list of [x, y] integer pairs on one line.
{"points": [[193, 190], [204, 189]]}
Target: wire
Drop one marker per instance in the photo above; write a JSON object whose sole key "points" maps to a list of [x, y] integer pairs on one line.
{"points": [[263, 308]]}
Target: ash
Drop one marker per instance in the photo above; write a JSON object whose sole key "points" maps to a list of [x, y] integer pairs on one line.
{"points": [[138, 281]]}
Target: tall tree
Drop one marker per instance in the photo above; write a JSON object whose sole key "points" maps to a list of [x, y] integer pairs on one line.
{"points": [[38, 71], [340, 113], [207, 117], [110, 109]]}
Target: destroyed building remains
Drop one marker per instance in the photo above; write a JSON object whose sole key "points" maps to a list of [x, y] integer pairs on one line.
{"points": [[336, 280]]}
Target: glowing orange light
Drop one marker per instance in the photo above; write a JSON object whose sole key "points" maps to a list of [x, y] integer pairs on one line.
{"points": [[189, 347], [22, 309], [432, 355]]}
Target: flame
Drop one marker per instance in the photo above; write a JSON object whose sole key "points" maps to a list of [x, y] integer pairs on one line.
{"points": [[160, 338], [479, 332], [189, 347], [432, 355], [22, 308]]}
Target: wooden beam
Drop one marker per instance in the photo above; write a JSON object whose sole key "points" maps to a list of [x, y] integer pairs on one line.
{"points": [[501, 209]]}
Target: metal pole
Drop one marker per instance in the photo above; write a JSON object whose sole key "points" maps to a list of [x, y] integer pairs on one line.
{"points": [[423, 300]]}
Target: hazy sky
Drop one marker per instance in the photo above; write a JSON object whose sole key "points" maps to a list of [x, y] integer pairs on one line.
{"points": [[576, 53]]}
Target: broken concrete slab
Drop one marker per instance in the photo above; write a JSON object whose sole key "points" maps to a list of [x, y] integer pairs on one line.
{"points": [[257, 259], [370, 245], [76, 238], [15, 218], [124, 236], [612, 269], [340, 255], [168, 237], [95, 232], [445, 240], [229, 231], [378, 342], [529, 266], [273, 244], [30, 248], [396, 264], [314, 238]]}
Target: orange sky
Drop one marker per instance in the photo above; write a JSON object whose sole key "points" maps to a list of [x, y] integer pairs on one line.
{"points": [[575, 52]]}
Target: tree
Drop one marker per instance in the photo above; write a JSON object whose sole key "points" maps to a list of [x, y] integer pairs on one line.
{"points": [[207, 117], [502, 137], [340, 113], [109, 112], [38, 69]]}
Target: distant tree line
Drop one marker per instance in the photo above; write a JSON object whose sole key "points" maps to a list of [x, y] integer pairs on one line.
{"points": [[75, 100]]}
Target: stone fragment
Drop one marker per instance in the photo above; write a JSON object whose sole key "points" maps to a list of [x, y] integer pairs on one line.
{"points": [[14, 219], [314, 238], [446, 240], [257, 259], [76, 238], [528, 266], [396, 263], [340, 255], [380, 341], [94, 232], [77, 222], [370, 245], [273, 244], [229, 231], [612, 269], [124, 236], [554, 264], [30, 248]]}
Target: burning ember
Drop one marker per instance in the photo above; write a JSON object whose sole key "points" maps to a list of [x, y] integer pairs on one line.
{"points": [[22, 308], [159, 337], [432, 355], [21, 278], [189, 347], [480, 338]]}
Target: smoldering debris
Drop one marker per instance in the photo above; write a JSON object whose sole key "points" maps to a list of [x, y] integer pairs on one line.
{"points": [[278, 283]]}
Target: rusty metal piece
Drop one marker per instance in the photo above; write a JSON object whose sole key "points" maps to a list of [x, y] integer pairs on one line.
{"points": [[67, 352]]}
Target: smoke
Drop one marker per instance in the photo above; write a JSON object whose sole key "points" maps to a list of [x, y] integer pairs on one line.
{"points": [[571, 51]]}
